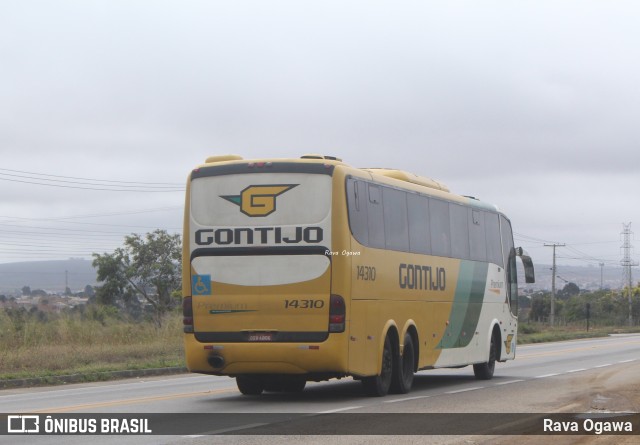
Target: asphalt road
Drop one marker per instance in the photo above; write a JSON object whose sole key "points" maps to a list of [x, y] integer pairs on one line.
{"points": [[596, 375]]}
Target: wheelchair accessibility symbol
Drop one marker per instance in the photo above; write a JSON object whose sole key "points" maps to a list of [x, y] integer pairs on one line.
{"points": [[201, 285]]}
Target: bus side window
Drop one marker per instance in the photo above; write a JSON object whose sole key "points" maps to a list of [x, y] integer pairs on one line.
{"points": [[440, 229], [418, 215], [357, 206], [459, 231], [396, 226], [477, 237], [492, 227], [375, 217]]}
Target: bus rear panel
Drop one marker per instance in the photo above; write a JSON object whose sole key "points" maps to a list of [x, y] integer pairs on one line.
{"points": [[260, 273]]}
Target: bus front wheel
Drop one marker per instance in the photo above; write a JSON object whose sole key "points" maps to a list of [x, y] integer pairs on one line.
{"points": [[378, 385], [484, 371]]}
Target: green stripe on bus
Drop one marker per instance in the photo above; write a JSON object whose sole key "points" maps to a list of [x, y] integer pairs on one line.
{"points": [[467, 304]]}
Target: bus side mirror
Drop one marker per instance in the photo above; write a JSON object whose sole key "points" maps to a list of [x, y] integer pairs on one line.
{"points": [[529, 274]]}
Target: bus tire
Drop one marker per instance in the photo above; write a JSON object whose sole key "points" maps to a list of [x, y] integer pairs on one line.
{"points": [[250, 385], [484, 371], [378, 385], [403, 372], [285, 383], [295, 384]]}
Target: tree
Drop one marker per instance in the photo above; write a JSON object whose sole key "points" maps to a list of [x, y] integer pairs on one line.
{"points": [[540, 307], [112, 270], [146, 268], [570, 290], [88, 291]]}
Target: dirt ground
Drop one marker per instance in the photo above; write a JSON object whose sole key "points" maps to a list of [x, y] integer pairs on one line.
{"points": [[612, 391]]}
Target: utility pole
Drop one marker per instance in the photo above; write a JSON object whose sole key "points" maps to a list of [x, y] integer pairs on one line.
{"points": [[552, 315], [601, 276], [627, 263]]}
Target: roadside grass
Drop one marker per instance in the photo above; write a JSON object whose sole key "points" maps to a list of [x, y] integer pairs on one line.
{"points": [[70, 344], [91, 345], [541, 333]]}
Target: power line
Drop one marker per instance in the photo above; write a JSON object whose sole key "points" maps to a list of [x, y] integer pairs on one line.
{"points": [[29, 272], [593, 242], [530, 238], [577, 254], [118, 184], [98, 215], [65, 238], [609, 262], [55, 235], [51, 243], [58, 251], [91, 179], [96, 188], [94, 224], [62, 229], [582, 255]]}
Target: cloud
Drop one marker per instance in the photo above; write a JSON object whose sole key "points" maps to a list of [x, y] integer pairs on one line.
{"points": [[530, 105]]}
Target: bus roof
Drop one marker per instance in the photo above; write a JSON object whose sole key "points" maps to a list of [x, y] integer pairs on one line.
{"points": [[399, 175]]}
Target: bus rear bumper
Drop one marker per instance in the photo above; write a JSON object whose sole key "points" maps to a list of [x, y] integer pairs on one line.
{"points": [[267, 358]]}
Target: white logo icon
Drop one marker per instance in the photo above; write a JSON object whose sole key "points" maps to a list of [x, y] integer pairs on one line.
{"points": [[23, 424]]}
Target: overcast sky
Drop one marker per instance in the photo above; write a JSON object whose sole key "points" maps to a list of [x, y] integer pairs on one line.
{"points": [[533, 106]]}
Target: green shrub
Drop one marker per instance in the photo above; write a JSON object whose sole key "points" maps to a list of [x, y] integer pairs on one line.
{"points": [[79, 341]]}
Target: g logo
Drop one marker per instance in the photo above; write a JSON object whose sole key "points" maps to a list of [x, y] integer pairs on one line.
{"points": [[259, 200]]}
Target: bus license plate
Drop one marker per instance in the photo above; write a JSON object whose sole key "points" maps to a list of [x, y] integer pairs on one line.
{"points": [[261, 336]]}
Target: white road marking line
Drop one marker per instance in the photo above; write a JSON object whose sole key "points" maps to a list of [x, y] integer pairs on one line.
{"points": [[338, 410], [602, 366], [465, 390], [406, 399], [576, 370], [545, 376], [626, 361], [235, 428], [508, 382]]}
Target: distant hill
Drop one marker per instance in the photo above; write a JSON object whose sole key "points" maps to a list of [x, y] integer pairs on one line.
{"points": [[47, 275], [586, 277], [50, 276]]}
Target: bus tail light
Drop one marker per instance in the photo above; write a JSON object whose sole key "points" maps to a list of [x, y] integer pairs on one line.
{"points": [[187, 315], [337, 314]]}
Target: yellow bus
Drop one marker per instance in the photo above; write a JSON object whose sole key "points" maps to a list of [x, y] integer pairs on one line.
{"points": [[308, 269]]}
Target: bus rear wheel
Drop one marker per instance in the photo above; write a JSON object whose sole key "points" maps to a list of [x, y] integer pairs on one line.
{"points": [[250, 385], [403, 374], [285, 383], [378, 385], [295, 384], [484, 371]]}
